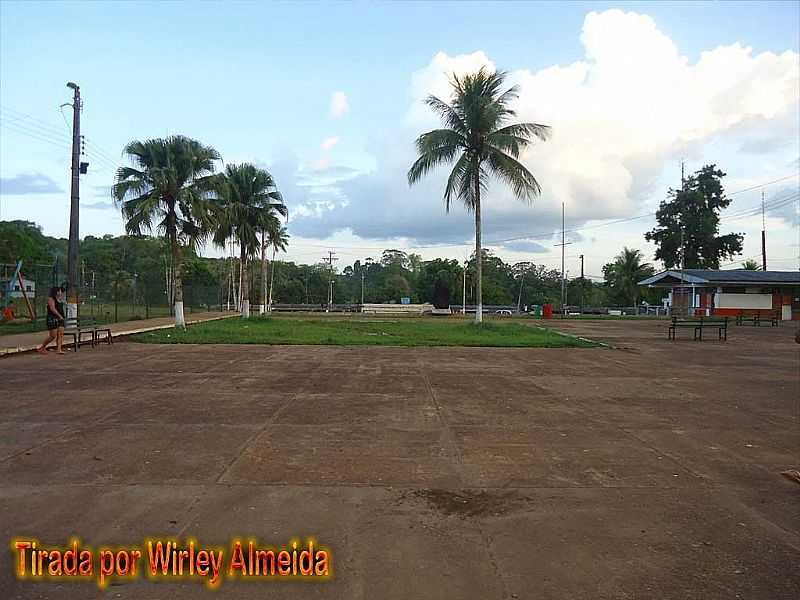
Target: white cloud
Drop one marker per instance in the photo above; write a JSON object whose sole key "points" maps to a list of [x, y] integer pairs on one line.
{"points": [[339, 104], [632, 105], [329, 143]]}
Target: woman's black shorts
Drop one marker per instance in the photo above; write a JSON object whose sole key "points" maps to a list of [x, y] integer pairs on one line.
{"points": [[53, 322]]}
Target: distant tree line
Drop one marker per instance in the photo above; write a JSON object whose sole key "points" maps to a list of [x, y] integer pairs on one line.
{"points": [[112, 265]]}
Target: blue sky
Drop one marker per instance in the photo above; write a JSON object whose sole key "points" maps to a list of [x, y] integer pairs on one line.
{"points": [[256, 81]]}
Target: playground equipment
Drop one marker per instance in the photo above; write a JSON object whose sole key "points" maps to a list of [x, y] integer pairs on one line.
{"points": [[10, 288]]}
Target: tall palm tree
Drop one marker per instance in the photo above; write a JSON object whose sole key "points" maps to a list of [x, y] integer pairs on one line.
{"points": [[480, 142], [167, 189], [247, 200], [278, 238], [625, 273]]}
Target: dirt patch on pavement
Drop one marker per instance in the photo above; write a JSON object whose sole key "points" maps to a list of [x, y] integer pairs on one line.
{"points": [[470, 503]]}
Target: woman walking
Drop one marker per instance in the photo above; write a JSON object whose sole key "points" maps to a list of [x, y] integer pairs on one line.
{"points": [[55, 320]]}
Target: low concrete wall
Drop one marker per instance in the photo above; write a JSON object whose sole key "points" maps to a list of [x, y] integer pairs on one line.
{"points": [[396, 309]]}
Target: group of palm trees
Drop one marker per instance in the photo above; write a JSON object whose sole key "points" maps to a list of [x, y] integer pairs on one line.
{"points": [[173, 188]]}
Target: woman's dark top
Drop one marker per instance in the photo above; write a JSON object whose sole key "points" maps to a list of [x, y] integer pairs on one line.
{"points": [[53, 320]]}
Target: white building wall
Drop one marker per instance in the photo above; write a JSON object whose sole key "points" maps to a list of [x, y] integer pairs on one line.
{"points": [[748, 301]]}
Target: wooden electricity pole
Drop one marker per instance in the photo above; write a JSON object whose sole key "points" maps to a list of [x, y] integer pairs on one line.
{"points": [[74, 206]]}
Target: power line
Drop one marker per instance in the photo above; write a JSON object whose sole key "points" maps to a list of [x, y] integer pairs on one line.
{"points": [[34, 137], [24, 123], [626, 219], [45, 126]]}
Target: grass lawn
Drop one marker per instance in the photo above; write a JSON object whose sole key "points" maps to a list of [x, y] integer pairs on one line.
{"points": [[363, 331], [20, 326]]}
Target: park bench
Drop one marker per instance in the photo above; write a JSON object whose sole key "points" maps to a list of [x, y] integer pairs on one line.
{"points": [[757, 317], [720, 324], [78, 328]]}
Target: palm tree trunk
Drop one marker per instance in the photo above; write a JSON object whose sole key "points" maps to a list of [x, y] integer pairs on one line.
{"points": [[177, 278], [478, 253], [263, 273], [271, 279], [245, 287]]}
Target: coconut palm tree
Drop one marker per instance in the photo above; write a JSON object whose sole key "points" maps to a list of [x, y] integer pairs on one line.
{"points": [[751, 265], [477, 137], [246, 204], [625, 273], [278, 238], [166, 190]]}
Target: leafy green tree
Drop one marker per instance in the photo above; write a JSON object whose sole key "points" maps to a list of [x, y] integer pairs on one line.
{"points": [[691, 214], [434, 270], [245, 207], [497, 278], [624, 274], [23, 240], [166, 190], [396, 287], [395, 260], [480, 142]]}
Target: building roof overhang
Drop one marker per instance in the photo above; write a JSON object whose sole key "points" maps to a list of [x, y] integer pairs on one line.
{"points": [[710, 277]]}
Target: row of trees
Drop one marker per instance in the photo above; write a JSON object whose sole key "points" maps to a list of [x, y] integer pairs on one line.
{"points": [[172, 188], [117, 267], [113, 269]]}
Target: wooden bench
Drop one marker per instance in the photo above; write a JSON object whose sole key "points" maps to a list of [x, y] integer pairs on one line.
{"points": [[78, 328], [758, 317], [720, 324]]}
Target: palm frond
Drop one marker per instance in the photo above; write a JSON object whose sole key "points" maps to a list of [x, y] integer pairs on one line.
{"points": [[448, 114], [515, 174], [429, 160], [458, 181]]}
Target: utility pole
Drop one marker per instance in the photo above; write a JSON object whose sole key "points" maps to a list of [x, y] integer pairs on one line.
{"points": [[329, 259], [362, 286], [563, 270], [581, 283], [74, 206], [763, 234]]}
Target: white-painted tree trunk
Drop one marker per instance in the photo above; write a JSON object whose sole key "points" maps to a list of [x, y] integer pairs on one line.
{"points": [[179, 319], [263, 305], [244, 286], [271, 280], [478, 254]]}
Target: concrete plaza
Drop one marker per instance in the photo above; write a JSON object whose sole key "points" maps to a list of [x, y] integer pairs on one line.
{"points": [[650, 469]]}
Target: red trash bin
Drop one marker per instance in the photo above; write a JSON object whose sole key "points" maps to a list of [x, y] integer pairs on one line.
{"points": [[547, 311]]}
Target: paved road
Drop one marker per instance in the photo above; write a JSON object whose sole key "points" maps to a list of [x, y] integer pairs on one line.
{"points": [[650, 471]]}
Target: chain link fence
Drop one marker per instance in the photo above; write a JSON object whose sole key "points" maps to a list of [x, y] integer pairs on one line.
{"points": [[108, 297]]}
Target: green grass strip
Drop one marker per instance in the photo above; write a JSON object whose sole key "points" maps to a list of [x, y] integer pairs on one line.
{"points": [[365, 332]]}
